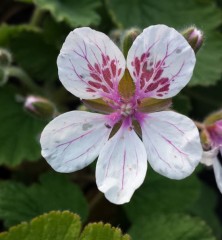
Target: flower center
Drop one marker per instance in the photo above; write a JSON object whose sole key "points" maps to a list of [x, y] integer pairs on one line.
{"points": [[126, 109]]}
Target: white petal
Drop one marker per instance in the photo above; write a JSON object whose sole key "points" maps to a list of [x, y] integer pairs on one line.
{"points": [[218, 173], [161, 62], [90, 65], [209, 157], [121, 166], [73, 140], [172, 143]]}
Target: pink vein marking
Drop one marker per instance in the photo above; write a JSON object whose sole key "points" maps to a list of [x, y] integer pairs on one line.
{"points": [[73, 140], [82, 153], [173, 126], [107, 168], [72, 124], [170, 142], [177, 74], [123, 168], [168, 123], [158, 152]]}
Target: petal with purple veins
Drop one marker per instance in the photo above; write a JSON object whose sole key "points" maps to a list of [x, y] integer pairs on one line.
{"points": [[172, 143], [121, 166], [73, 140], [90, 65], [161, 62]]}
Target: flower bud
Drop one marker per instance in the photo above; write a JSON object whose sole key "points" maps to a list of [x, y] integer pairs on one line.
{"points": [[194, 37], [115, 35], [40, 107], [5, 58], [128, 38]]}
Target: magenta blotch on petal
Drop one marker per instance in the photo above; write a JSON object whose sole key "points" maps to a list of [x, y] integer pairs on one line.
{"points": [[90, 65], [161, 62]]}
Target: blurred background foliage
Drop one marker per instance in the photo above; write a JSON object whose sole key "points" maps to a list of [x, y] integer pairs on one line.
{"points": [[33, 32]]}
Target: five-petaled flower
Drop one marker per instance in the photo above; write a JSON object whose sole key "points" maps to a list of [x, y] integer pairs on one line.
{"points": [[213, 157], [135, 95]]}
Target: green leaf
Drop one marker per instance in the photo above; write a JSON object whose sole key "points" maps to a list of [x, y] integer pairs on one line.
{"points": [[62, 226], [162, 195], [52, 226], [204, 14], [53, 192], [209, 59], [75, 13], [31, 50], [19, 131], [96, 231], [205, 207], [7, 31], [172, 227], [54, 32]]}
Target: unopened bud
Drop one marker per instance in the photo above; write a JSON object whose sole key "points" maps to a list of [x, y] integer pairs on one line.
{"points": [[115, 35], [5, 58], [40, 107], [128, 39], [194, 37]]}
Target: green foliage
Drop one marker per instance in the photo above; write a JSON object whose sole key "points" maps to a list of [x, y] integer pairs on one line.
{"points": [[100, 231], [172, 227], [32, 52], [62, 225], [52, 226], [75, 13], [19, 131], [204, 14], [159, 195], [53, 192], [206, 208], [207, 71]]}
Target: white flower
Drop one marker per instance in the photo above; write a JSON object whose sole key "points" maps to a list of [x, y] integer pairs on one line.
{"points": [[213, 156], [134, 93]]}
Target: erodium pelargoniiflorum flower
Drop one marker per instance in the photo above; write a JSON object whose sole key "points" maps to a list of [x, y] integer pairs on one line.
{"points": [[211, 136], [135, 95]]}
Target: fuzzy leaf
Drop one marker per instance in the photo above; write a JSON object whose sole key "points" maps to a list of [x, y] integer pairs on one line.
{"points": [[75, 13], [204, 14], [54, 192], [31, 51], [173, 227], [102, 231], [19, 131], [206, 208], [161, 195], [62, 225], [52, 226]]}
